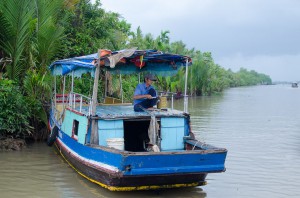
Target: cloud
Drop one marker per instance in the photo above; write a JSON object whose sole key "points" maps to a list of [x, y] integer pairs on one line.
{"points": [[266, 33]]}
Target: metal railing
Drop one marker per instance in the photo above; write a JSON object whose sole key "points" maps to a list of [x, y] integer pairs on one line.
{"points": [[73, 100], [76, 99], [58, 115]]}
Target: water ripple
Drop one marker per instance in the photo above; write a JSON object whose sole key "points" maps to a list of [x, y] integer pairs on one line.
{"points": [[258, 125]]}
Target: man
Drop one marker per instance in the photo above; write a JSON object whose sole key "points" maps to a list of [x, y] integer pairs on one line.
{"points": [[145, 94]]}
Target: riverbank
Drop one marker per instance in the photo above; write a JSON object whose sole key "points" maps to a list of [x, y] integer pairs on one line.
{"points": [[11, 144]]}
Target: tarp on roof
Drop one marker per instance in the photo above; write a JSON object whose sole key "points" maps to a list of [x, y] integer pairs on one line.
{"points": [[126, 61]]}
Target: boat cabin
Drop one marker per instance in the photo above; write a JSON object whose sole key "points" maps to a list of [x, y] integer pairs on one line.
{"points": [[113, 123], [127, 128]]}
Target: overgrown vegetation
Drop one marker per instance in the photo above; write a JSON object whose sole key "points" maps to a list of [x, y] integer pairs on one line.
{"points": [[14, 111], [36, 32]]}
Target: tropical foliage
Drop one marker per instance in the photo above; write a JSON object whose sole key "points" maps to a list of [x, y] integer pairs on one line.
{"points": [[30, 37], [36, 32], [16, 26], [14, 111], [88, 27]]}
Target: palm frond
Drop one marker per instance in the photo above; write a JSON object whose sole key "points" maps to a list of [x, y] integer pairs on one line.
{"points": [[17, 16], [47, 12], [49, 34]]}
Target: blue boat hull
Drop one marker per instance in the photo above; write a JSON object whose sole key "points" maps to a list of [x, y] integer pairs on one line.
{"points": [[120, 182], [124, 171]]}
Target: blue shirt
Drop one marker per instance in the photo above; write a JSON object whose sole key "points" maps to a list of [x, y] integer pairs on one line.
{"points": [[141, 89]]}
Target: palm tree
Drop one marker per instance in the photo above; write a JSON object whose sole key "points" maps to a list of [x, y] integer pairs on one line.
{"points": [[29, 33], [164, 40], [16, 20], [30, 36], [136, 39], [47, 31], [178, 47]]}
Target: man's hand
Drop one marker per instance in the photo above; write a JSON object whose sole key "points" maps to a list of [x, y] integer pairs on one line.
{"points": [[148, 96]]}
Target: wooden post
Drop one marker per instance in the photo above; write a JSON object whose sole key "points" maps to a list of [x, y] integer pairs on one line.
{"points": [[94, 131]]}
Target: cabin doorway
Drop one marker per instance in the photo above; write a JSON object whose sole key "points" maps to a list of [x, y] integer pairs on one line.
{"points": [[136, 135]]}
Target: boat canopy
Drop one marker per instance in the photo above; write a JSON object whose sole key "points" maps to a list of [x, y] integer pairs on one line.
{"points": [[127, 61]]}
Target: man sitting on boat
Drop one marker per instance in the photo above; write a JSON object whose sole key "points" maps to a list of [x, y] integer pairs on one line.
{"points": [[145, 96]]}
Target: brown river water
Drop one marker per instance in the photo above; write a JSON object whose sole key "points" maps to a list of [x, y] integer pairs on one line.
{"points": [[260, 127]]}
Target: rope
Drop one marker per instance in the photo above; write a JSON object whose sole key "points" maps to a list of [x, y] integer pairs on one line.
{"points": [[197, 145]]}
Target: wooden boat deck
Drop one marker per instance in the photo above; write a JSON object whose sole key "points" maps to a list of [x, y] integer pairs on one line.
{"points": [[126, 111]]}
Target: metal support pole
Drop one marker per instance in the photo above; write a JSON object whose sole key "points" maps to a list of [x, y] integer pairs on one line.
{"points": [[172, 101], [105, 89], [55, 89], [139, 78], [80, 108], [74, 97], [64, 86], [185, 88], [72, 103], [121, 88]]}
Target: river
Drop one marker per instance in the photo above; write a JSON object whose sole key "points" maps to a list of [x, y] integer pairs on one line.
{"points": [[260, 127]]}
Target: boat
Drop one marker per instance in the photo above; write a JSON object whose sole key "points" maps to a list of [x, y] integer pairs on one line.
{"points": [[107, 142], [294, 85], [178, 95]]}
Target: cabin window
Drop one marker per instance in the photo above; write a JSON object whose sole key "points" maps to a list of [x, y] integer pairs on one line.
{"points": [[75, 129]]}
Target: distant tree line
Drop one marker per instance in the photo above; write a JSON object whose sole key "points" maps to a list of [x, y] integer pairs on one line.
{"points": [[36, 32]]}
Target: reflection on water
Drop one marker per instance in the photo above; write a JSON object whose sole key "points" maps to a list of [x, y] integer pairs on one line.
{"points": [[260, 127], [39, 172]]}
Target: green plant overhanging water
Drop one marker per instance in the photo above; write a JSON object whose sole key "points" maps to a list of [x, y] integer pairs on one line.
{"points": [[14, 111], [31, 25], [37, 89]]}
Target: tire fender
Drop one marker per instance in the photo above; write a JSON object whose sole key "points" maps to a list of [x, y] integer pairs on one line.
{"points": [[52, 136]]}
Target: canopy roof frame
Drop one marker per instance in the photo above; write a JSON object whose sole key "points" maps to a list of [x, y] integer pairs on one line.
{"points": [[128, 61]]}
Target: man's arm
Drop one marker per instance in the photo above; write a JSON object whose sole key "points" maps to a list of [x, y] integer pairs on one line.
{"points": [[147, 96], [138, 94]]}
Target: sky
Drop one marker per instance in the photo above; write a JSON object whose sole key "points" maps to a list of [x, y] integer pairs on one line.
{"points": [[260, 35]]}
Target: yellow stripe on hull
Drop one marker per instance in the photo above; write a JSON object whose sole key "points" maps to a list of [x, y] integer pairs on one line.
{"points": [[130, 188]]}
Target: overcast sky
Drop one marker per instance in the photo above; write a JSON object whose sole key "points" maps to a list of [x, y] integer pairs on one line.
{"points": [[263, 35]]}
